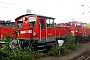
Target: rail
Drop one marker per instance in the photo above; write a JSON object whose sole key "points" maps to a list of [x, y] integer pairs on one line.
{"points": [[83, 56]]}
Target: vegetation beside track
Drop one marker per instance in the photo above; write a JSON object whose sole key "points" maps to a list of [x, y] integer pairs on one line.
{"points": [[66, 48], [29, 54]]}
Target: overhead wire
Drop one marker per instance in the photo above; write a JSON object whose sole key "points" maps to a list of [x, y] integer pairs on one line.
{"points": [[24, 7], [12, 8], [12, 4]]}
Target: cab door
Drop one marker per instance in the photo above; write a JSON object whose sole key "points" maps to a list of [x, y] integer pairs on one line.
{"points": [[50, 30], [42, 30]]}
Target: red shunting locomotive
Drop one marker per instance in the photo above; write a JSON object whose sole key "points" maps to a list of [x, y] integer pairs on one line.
{"points": [[42, 30]]}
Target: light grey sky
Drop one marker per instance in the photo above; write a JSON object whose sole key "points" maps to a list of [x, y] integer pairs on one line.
{"points": [[62, 10]]}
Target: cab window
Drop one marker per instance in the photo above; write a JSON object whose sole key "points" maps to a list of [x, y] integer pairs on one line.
{"points": [[84, 26], [68, 24], [32, 21], [50, 23], [42, 24], [78, 25], [19, 23]]}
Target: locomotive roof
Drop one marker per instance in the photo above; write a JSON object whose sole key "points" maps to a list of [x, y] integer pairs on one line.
{"points": [[35, 15]]}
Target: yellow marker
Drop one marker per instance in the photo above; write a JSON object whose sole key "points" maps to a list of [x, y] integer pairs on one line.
{"points": [[17, 33], [88, 25]]}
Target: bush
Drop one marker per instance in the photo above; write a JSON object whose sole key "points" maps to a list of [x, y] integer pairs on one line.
{"points": [[27, 54], [40, 54], [17, 54], [68, 45], [7, 37], [53, 50]]}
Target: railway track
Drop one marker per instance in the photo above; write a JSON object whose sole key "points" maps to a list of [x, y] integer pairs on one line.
{"points": [[88, 58], [83, 56]]}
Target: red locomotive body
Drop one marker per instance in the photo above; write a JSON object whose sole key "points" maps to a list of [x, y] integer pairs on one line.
{"points": [[6, 28], [41, 28], [78, 29], [61, 31]]}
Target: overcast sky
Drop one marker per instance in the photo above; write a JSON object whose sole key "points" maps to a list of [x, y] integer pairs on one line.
{"points": [[62, 10]]}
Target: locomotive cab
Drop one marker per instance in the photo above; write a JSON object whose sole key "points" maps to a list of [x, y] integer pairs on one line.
{"points": [[36, 27], [26, 24]]}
